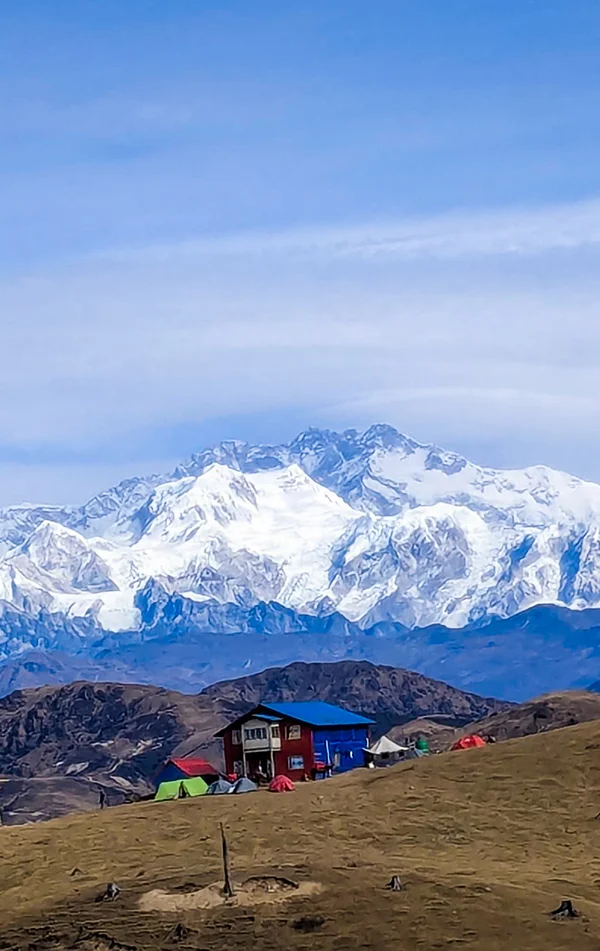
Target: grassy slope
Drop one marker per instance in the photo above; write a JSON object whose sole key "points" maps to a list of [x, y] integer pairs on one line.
{"points": [[488, 841], [540, 715]]}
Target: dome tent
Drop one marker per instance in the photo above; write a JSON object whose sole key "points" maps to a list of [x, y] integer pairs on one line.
{"points": [[281, 784], [468, 742], [220, 788], [181, 789], [243, 785]]}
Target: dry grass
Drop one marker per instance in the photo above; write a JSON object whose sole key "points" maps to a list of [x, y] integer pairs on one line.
{"points": [[487, 842]]}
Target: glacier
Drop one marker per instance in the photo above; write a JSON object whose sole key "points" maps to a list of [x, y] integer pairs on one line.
{"points": [[373, 525]]}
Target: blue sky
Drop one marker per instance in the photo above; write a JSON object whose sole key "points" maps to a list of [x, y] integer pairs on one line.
{"points": [[240, 219]]}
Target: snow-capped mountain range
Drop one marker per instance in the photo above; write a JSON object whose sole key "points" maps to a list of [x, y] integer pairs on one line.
{"points": [[374, 526]]}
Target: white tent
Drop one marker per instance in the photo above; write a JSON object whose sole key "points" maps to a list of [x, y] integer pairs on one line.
{"points": [[385, 746]]}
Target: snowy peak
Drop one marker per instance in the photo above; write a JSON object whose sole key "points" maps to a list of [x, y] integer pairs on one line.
{"points": [[177, 510], [221, 497], [536, 496], [244, 537], [55, 557], [386, 472], [374, 525], [17, 522]]}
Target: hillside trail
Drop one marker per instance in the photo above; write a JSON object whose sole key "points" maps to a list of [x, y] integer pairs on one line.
{"points": [[486, 842]]}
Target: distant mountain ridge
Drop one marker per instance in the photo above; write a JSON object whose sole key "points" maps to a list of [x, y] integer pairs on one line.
{"points": [[116, 736], [186, 645], [343, 540]]}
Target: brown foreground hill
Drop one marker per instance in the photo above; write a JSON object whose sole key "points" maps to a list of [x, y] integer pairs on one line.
{"points": [[486, 843], [116, 736]]}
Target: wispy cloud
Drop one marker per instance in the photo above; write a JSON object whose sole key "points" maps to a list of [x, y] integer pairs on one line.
{"points": [[230, 217], [516, 231], [405, 323], [525, 399]]}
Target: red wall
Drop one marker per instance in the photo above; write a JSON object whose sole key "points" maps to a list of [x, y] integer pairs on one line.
{"points": [[232, 752], [301, 747]]}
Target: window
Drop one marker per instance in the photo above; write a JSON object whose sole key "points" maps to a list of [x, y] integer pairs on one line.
{"points": [[275, 732], [295, 762], [258, 734], [294, 732], [236, 737]]}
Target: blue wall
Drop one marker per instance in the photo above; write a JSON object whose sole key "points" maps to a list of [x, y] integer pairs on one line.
{"points": [[169, 773], [347, 742]]}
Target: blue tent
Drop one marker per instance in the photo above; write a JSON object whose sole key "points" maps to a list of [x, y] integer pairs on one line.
{"points": [[243, 785], [220, 788]]}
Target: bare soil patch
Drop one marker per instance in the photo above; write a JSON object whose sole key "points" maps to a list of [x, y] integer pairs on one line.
{"points": [[259, 890]]}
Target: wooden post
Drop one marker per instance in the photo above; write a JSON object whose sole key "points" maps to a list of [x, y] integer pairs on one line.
{"points": [[228, 887], [271, 755]]}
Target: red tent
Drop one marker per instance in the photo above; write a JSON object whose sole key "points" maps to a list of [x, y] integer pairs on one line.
{"points": [[281, 784], [468, 742]]}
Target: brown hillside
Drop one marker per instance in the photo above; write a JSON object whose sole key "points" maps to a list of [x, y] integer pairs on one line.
{"points": [[117, 735], [63, 743], [550, 712], [389, 695], [439, 733], [98, 730], [486, 841]]}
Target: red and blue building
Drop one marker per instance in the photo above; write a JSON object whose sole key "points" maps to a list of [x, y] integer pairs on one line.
{"points": [[295, 739]]}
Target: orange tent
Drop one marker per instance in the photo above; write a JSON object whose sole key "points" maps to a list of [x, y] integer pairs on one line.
{"points": [[468, 742], [281, 784]]}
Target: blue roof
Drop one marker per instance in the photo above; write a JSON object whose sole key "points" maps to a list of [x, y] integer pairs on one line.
{"points": [[317, 713]]}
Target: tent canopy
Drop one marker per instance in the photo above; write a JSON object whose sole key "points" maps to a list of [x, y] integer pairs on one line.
{"points": [[468, 742], [220, 788], [281, 784], [195, 786], [180, 788], [168, 791], [243, 785], [385, 745]]}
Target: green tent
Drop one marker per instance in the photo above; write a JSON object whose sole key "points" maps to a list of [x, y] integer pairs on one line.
{"points": [[194, 787], [181, 789]]}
